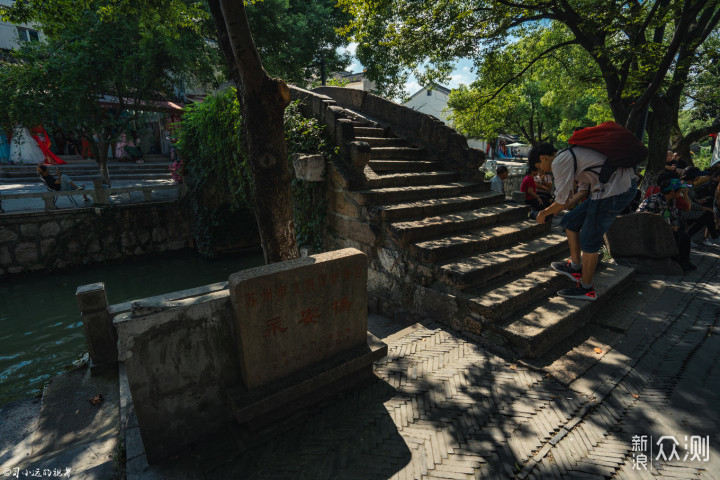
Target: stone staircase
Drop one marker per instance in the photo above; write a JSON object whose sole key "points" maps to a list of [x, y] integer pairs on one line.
{"points": [[442, 244]]}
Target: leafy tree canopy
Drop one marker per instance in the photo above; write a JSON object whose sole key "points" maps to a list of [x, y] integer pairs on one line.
{"points": [[541, 102], [91, 56], [644, 51], [294, 36]]}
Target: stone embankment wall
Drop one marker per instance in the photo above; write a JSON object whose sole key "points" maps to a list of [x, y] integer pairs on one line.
{"points": [[61, 239]]}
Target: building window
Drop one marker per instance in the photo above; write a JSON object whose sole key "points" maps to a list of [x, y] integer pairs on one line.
{"points": [[27, 35]]}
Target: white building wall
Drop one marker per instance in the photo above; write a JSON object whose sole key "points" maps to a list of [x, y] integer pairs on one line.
{"points": [[432, 104], [9, 33]]}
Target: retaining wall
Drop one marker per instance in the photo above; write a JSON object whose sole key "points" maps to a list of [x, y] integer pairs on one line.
{"points": [[65, 238]]}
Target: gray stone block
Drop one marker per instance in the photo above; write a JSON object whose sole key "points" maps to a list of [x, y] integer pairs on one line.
{"points": [[101, 339], [644, 235], [294, 314], [91, 297]]}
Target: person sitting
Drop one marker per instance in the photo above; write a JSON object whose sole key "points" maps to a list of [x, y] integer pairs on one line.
{"points": [[63, 183], [700, 215], [663, 203], [544, 183], [529, 187], [496, 183]]}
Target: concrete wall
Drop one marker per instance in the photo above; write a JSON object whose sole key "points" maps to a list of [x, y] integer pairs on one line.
{"points": [[179, 364], [65, 238]]}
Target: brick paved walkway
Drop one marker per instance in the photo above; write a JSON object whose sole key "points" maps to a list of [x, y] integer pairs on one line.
{"points": [[442, 407]]}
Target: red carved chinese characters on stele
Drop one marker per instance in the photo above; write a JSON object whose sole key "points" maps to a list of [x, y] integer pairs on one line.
{"points": [[342, 305], [309, 315], [274, 326]]}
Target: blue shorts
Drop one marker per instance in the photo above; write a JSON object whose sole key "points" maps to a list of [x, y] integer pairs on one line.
{"points": [[593, 218]]}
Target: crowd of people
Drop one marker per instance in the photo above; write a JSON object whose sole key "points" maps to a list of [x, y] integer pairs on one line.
{"points": [[686, 197], [689, 200]]}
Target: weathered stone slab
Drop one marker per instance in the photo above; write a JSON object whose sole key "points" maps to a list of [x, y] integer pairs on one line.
{"points": [[180, 357], [310, 168], [295, 314], [641, 235]]}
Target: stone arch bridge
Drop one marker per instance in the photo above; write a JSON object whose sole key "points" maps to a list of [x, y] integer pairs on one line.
{"points": [[408, 192]]}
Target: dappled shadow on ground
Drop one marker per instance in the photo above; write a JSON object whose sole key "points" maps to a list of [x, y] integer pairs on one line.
{"points": [[348, 436]]}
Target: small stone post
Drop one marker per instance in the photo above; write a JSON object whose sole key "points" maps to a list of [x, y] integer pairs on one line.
{"points": [[100, 194], [99, 330]]}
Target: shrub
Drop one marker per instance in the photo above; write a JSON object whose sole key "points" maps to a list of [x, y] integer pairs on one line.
{"points": [[218, 175]]}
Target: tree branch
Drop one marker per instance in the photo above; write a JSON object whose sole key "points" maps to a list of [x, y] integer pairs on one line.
{"points": [[527, 67], [662, 69], [525, 7]]}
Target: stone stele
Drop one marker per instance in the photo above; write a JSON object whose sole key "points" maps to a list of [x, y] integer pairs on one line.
{"points": [[295, 314]]}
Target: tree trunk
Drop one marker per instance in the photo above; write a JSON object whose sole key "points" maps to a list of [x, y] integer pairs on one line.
{"points": [[659, 127], [263, 101], [101, 155]]}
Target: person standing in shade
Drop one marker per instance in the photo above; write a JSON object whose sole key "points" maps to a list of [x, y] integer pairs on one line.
{"points": [[586, 224]]}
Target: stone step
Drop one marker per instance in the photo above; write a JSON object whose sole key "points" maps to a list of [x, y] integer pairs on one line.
{"points": [[478, 270], [404, 233], [477, 240], [384, 142], [397, 153], [369, 132], [415, 178], [399, 166], [434, 206], [498, 301], [556, 318], [384, 196]]}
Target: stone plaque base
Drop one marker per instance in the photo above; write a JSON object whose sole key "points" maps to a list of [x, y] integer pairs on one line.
{"points": [[307, 386]]}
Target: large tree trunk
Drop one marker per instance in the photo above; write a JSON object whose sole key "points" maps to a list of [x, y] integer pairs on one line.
{"points": [[659, 127], [102, 159], [263, 101], [100, 152]]}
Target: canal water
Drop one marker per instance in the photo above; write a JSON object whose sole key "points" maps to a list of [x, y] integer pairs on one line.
{"points": [[40, 328]]}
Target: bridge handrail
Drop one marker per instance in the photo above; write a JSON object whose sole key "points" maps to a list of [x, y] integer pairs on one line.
{"points": [[100, 196]]}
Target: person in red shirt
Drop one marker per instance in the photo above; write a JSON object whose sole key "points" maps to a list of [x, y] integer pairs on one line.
{"points": [[529, 188]]}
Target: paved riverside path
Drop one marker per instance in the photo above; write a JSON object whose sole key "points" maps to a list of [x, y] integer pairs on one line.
{"points": [[444, 407], [34, 184]]}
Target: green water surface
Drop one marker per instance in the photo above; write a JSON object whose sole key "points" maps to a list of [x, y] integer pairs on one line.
{"points": [[40, 328]]}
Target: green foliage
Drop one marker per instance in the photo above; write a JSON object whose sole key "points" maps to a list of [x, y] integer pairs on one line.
{"points": [[545, 103], [293, 36], [306, 135], [702, 158], [644, 51], [217, 172], [87, 55], [219, 178]]}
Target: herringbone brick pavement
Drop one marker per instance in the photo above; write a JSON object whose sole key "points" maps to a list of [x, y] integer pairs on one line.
{"points": [[442, 407]]}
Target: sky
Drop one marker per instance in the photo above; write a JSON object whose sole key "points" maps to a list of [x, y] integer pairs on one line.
{"points": [[461, 75]]}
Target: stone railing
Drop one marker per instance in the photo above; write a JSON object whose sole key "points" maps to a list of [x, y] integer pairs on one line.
{"points": [[254, 347], [100, 195], [336, 107]]}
